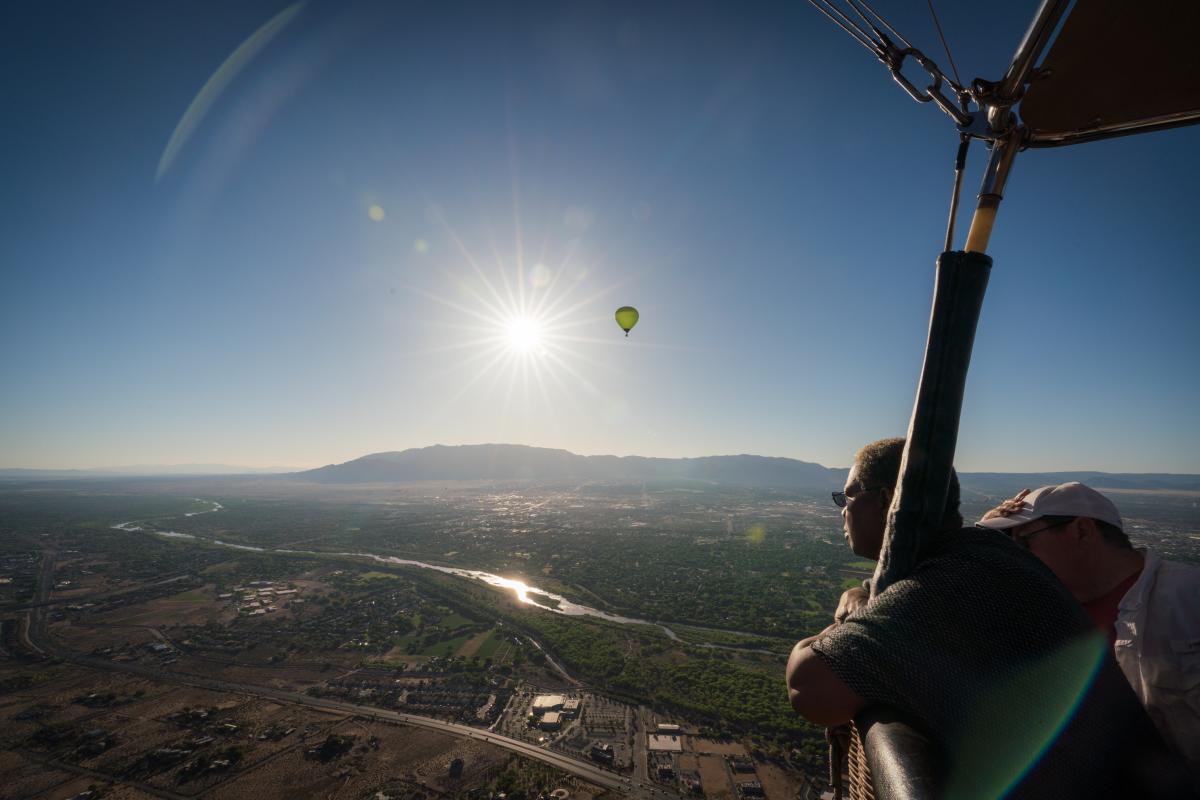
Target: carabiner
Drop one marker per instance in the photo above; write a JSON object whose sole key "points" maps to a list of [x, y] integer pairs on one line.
{"points": [[893, 59]]}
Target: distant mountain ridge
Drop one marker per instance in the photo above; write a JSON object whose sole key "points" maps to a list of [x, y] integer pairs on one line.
{"points": [[138, 471], [523, 462]]}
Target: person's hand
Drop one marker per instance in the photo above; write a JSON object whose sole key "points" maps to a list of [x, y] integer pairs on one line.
{"points": [[852, 600], [1008, 507]]}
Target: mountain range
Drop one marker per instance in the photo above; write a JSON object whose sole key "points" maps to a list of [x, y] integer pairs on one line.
{"points": [[522, 462], [508, 462]]}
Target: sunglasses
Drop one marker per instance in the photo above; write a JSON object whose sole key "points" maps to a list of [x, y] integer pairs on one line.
{"points": [[841, 499], [1022, 539]]}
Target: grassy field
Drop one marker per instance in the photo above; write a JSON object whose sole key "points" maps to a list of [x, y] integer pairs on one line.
{"points": [[469, 644], [483, 646], [453, 621], [193, 596], [448, 648], [376, 576]]}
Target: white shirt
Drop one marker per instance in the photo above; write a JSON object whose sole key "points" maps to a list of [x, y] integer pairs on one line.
{"points": [[1158, 648]]}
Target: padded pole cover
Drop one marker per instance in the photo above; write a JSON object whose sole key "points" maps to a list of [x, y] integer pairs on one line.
{"points": [[904, 763], [933, 431]]}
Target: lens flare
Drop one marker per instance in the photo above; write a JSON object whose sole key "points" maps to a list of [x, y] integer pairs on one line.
{"points": [[216, 84], [1016, 722]]}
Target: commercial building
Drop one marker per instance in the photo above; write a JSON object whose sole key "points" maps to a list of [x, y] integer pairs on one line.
{"points": [[602, 753], [670, 744], [547, 702]]}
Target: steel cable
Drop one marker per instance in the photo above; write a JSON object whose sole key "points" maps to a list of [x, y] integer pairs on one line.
{"points": [[941, 36], [848, 25], [886, 24]]}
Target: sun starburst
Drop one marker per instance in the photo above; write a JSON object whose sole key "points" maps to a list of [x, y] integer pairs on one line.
{"points": [[526, 339]]}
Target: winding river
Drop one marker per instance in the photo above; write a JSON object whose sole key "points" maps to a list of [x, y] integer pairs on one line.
{"points": [[523, 592]]}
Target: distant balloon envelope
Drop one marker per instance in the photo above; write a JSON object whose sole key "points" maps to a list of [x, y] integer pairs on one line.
{"points": [[627, 317]]}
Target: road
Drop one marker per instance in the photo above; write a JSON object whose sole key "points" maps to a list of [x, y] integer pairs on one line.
{"points": [[89, 598], [35, 620], [584, 769]]}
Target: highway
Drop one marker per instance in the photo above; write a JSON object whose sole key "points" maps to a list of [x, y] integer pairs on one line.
{"points": [[586, 770]]}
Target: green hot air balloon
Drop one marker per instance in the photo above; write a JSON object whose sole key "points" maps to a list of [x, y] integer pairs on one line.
{"points": [[627, 317]]}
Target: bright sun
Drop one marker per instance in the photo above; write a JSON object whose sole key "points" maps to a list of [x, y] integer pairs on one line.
{"points": [[523, 332], [524, 335]]}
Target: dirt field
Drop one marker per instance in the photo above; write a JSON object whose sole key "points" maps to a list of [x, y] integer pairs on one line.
{"points": [[292, 678], [718, 748], [81, 586], [191, 607], [86, 638], [272, 739], [411, 755], [714, 778], [25, 778], [777, 784], [77, 784], [136, 724]]}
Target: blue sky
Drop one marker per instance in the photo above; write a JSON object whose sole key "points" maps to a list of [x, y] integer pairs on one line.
{"points": [[329, 263]]}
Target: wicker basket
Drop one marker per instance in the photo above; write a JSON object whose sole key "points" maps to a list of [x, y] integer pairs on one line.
{"points": [[856, 766]]}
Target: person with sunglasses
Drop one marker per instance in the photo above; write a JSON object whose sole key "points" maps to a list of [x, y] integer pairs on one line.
{"points": [[984, 652], [1147, 607]]}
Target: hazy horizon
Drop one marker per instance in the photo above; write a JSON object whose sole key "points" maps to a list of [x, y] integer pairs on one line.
{"points": [[230, 468]]}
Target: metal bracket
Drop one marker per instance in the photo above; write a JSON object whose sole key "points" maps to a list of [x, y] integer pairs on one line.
{"points": [[977, 127]]}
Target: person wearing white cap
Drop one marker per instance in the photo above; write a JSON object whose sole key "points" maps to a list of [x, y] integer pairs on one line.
{"points": [[1147, 606]]}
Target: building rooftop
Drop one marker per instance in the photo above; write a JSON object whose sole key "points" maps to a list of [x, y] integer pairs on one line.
{"points": [[546, 702]]}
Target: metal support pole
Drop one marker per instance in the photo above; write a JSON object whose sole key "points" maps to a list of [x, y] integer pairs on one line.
{"points": [[1001, 153], [960, 162], [920, 497], [1012, 85]]}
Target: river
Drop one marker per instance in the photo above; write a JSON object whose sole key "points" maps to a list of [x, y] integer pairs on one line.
{"points": [[524, 592]]}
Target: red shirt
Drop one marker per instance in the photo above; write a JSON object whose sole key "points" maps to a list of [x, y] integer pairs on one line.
{"points": [[1103, 610]]}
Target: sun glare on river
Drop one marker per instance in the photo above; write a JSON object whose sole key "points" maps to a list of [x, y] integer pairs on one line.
{"points": [[519, 588]]}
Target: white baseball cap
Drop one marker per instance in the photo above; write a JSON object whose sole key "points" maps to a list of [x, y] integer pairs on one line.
{"points": [[1065, 500]]}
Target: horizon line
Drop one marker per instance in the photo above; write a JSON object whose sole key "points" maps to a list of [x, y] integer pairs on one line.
{"points": [[207, 467]]}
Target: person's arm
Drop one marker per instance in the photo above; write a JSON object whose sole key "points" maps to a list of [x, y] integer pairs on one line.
{"points": [[816, 693]]}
